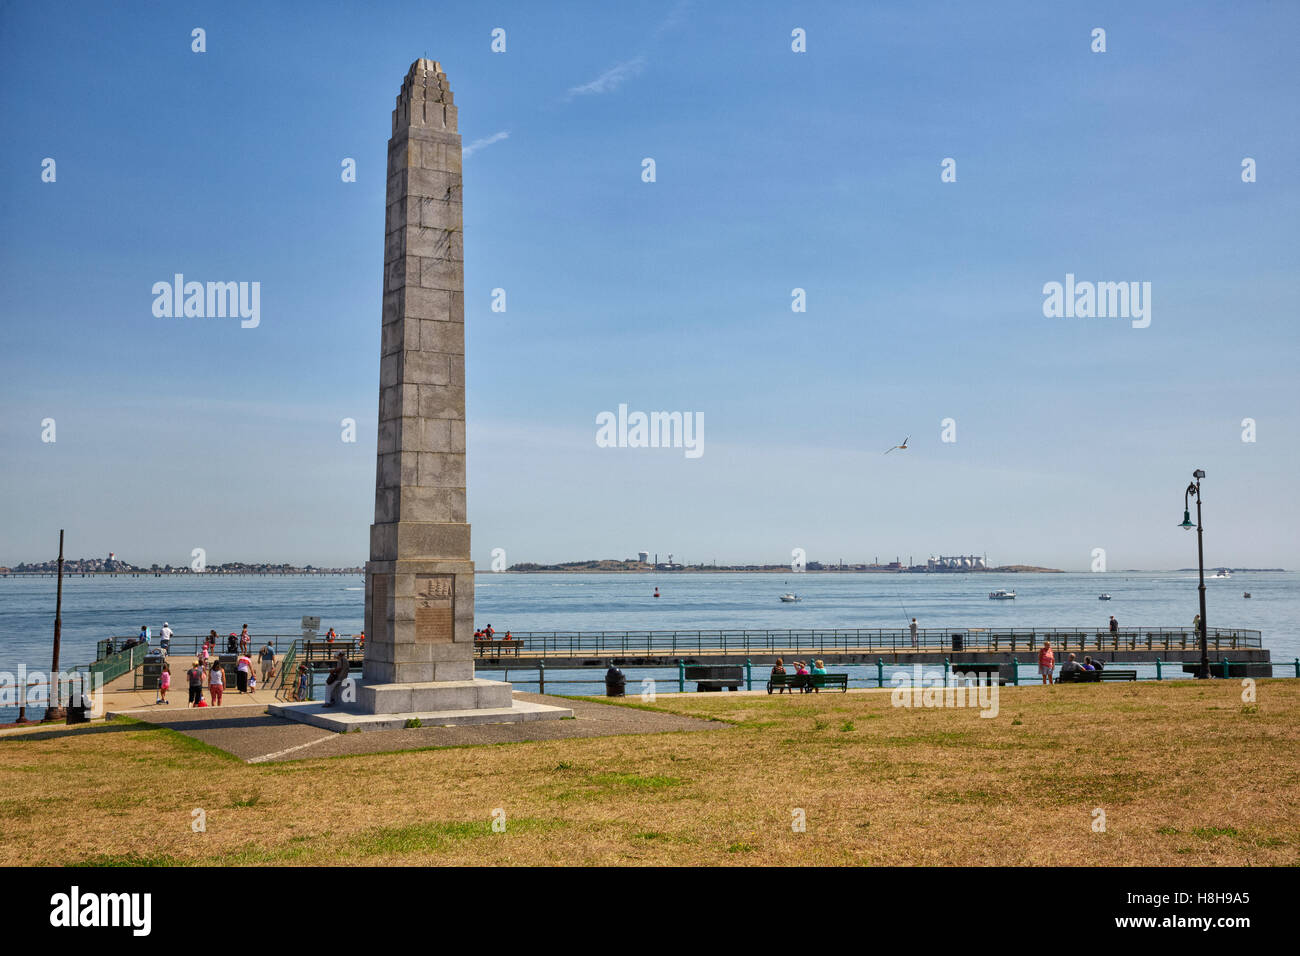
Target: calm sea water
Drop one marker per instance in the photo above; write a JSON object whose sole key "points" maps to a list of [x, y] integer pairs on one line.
{"points": [[96, 607]]}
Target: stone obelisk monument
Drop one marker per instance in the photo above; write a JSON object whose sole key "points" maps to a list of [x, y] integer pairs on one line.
{"points": [[420, 580], [419, 618]]}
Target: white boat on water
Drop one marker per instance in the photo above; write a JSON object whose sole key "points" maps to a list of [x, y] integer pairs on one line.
{"points": [[789, 598], [1103, 597], [1222, 573], [1002, 595]]}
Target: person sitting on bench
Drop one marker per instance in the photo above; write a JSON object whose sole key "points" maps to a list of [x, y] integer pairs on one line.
{"points": [[778, 668], [1087, 664], [1071, 665], [818, 667], [801, 668]]}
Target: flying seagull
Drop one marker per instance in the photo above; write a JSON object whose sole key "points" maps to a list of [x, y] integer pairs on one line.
{"points": [[902, 446]]}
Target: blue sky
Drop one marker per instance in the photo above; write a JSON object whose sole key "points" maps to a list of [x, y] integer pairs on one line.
{"points": [[775, 170]]}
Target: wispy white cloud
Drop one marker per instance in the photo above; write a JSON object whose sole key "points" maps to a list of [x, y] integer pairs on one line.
{"points": [[478, 144], [675, 18], [611, 79]]}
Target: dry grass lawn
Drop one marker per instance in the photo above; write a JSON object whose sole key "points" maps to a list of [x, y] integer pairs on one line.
{"points": [[1185, 773]]}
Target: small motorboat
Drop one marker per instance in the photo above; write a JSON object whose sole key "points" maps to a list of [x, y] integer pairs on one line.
{"points": [[1222, 573], [1246, 594], [1103, 597], [1002, 594], [789, 598]]}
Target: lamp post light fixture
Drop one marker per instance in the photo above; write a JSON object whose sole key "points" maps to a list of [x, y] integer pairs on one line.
{"points": [[1195, 489]]}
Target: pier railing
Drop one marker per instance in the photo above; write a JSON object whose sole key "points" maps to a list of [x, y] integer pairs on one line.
{"points": [[769, 641], [848, 640]]}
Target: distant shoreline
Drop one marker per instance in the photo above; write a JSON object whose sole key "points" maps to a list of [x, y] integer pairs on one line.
{"points": [[1016, 569]]}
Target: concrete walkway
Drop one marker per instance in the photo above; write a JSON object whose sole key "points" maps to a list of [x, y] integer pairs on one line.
{"points": [[249, 733]]}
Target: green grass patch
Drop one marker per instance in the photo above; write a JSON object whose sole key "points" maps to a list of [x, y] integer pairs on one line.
{"points": [[434, 835], [128, 859], [1209, 833]]}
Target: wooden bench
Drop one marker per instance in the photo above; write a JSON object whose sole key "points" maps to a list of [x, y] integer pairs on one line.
{"points": [[983, 670], [715, 677], [807, 682], [483, 645], [1094, 677], [781, 683], [327, 650]]}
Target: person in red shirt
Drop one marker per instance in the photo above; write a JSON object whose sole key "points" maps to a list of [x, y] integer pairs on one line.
{"points": [[1046, 662]]}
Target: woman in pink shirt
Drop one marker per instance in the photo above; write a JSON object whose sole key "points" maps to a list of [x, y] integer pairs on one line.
{"points": [[1046, 661]]}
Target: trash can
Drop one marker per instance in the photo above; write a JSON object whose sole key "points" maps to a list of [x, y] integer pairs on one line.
{"points": [[76, 713], [615, 682], [956, 642], [151, 672]]}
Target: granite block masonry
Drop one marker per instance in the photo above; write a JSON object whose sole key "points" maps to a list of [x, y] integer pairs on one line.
{"points": [[419, 619], [420, 581]]}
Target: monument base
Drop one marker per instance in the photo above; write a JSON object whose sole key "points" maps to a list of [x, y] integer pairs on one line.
{"points": [[432, 704]]}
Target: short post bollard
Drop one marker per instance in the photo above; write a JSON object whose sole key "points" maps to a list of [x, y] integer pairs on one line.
{"points": [[749, 676], [1297, 667], [1225, 667], [681, 676], [541, 677], [880, 672], [1015, 671], [1158, 677], [946, 669]]}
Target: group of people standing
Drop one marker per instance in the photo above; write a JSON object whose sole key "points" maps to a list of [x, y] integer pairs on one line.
{"points": [[208, 669]]}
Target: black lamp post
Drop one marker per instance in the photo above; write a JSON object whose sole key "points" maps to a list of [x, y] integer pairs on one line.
{"points": [[1195, 489]]}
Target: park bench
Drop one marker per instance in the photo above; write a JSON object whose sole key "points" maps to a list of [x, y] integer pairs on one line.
{"points": [[714, 677], [1094, 677], [327, 650], [1235, 668], [483, 645], [806, 682], [983, 670], [784, 682], [816, 682]]}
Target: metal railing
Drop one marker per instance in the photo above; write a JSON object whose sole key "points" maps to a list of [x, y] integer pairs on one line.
{"points": [[749, 641], [123, 662], [768, 641], [191, 644]]}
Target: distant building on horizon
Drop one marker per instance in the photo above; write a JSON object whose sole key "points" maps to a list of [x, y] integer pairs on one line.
{"points": [[957, 562]]}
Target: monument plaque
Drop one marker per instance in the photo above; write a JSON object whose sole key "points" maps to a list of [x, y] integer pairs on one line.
{"points": [[435, 608]]}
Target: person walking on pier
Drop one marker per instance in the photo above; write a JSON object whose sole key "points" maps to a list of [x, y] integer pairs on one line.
{"points": [[268, 662], [912, 629], [1046, 662], [245, 641], [164, 683], [195, 676], [216, 682], [1114, 625], [243, 668]]}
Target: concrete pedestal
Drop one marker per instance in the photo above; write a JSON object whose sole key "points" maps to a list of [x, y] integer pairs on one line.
{"points": [[433, 703]]}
